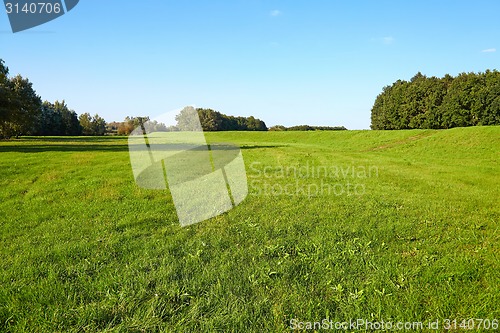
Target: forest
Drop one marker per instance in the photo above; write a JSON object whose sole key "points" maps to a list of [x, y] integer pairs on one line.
{"points": [[307, 128], [212, 120], [469, 99], [22, 112]]}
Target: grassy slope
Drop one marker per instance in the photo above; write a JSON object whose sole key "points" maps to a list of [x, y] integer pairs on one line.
{"points": [[83, 249]]}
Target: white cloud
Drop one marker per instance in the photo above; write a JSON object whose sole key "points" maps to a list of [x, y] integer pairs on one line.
{"points": [[275, 12], [489, 50], [388, 40], [384, 40]]}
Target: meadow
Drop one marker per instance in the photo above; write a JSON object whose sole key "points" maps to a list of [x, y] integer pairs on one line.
{"points": [[339, 225]]}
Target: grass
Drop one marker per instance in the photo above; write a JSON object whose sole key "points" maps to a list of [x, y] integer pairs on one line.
{"points": [[83, 249]]}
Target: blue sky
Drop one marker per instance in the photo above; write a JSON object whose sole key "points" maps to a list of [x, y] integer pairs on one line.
{"points": [[285, 62]]}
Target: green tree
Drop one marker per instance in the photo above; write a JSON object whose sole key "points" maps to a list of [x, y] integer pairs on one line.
{"points": [[462, 104], [70, 123], [131, 123], [22, 107], [386, 112], [5, 92], [98, 125], [85, 120], [50, 122], [22, 111], [210, 120], [278, 128], [469, 99], [57, 119], [187, 119], [490, 115], [254, 124], [92, 125]]}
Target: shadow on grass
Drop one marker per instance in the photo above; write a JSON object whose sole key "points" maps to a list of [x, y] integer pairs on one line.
{"points": [[27, 148], [71, 139], [261, 147], [33, 144], [41, 144]]}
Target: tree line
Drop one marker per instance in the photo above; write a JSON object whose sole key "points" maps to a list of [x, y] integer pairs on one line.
{"points": [[469, 99], [215, 121], [22, 112], [186, 120], [307, 128], [130, 123]]}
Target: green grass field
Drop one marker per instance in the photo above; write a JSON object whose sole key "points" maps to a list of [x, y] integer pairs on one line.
{"points": [[416, 238]]}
